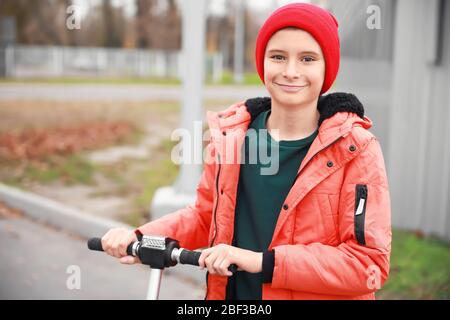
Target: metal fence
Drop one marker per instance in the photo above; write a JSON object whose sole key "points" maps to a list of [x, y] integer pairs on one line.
{"points": [[57, 61]]}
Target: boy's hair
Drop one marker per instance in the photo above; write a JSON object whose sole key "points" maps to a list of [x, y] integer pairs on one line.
{"points": [[322, 26]]}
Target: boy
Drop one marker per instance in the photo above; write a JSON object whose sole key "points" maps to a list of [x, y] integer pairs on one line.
{"points": [[319, 228]]}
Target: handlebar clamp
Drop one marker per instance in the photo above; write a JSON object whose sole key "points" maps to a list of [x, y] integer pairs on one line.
{"points": [[155, 251]]}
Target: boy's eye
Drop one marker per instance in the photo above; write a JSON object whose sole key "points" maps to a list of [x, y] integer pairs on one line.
{"points": [[280, 57], [277, 57], [308, 59]]}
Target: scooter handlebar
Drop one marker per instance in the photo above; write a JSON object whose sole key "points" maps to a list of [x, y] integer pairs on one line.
{"points": [[189, 257], [181, 255], [185, 256], [96, 245]]}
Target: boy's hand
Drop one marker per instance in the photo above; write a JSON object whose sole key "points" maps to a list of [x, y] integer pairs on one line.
{"points": [[115, 243], [218, 258]]}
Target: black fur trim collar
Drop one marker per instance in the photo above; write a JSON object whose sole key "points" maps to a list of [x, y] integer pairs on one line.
{"points": [[327, 106]]}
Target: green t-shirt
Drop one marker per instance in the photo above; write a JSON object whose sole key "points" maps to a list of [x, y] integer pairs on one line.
{"points": [[260, 196]]}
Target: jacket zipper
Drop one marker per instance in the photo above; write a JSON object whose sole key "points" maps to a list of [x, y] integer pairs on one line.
{"points": [[217, 202], [360, 212], [214, 214]]}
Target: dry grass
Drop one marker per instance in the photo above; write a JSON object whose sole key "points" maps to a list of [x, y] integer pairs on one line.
{"points": [[15, 116], [136, 181]]}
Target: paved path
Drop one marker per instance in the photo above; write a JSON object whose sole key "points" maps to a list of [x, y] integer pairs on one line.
{"points": [[105, 92], [35, 258]]}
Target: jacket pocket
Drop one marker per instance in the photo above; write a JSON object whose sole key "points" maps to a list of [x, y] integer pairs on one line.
{"points": [[360, 212], [327, 219]]}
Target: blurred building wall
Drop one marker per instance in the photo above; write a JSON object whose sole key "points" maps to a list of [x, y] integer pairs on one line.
{"points": [[366, 59], [401, 73], [419, 137]]}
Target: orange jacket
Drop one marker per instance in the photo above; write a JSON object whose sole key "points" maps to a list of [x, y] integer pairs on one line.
{"points": [[333, 235]]}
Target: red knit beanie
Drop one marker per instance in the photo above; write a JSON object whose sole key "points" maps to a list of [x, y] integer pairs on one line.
{"points": [[321, 24]]}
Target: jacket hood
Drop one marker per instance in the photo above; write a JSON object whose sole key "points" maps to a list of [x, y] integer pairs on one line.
{"points": [[339, 113], [328, 106]]}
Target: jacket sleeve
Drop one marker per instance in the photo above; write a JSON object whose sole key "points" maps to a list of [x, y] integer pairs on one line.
{"points": [[360, 263], [189, 225]]}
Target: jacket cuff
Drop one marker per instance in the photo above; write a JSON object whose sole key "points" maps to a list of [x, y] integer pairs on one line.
{"points": [[138, 234], [268, 265]]}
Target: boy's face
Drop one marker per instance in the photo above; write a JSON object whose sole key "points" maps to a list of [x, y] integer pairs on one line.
{"points": [[294, 67]]}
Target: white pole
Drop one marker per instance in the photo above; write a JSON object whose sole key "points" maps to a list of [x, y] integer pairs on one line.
{"points": [[193, 43]]}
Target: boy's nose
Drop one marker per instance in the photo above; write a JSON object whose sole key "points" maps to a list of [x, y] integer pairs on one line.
{"points": [[291, 70]]}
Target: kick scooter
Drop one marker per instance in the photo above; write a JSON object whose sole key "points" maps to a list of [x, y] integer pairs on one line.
{"points": [[157, 252]]}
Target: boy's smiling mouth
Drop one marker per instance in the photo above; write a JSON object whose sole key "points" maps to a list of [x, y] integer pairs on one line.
{"points": [[290, 88]]}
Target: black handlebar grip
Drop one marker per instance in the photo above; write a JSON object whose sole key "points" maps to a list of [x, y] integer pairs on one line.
{"points": [[233, 268], [191, 257], [96, 244], [130, 249]]}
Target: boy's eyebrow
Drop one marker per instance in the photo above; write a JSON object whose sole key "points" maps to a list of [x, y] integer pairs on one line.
{"points": [[303, 52]]}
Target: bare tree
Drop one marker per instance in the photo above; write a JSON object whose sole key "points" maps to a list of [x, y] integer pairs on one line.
{"points": [[113, 19], [158, 24], [38, 22]]}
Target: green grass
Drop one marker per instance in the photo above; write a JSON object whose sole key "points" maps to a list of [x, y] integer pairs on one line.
{"points": [[249, 79], [71, 170], [114, 172], [420, 268], [162, 173]]}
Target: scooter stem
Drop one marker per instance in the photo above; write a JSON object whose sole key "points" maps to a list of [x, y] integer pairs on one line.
{"points": [[154, 284]]}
